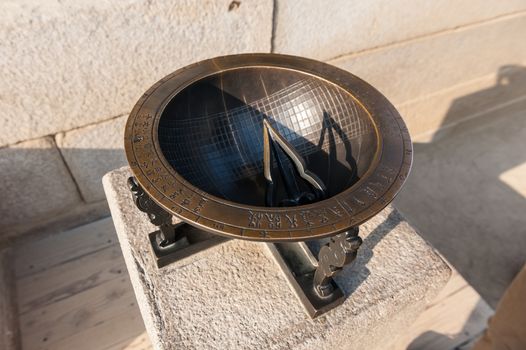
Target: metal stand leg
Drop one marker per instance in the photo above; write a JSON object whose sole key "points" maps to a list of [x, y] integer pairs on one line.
{"points": [[172, 242], [340, 251], [311, 278], [169, 238]]}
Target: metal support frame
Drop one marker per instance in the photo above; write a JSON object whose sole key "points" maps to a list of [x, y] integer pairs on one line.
{"points": [[310, 278], [169, 238], [171, 242]]}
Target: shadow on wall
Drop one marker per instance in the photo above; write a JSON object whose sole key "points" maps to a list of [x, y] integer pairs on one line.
{"points": [[509, 87], [456, 195], [38, 189]]}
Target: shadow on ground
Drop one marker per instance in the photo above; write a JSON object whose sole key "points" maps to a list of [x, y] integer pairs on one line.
{"points": [[456, 195], [462, 339]]}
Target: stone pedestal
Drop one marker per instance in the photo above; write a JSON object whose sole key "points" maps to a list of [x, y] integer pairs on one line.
{"points": [[234, 296]]}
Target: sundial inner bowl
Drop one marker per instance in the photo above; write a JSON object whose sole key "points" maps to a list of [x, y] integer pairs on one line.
{"points": [[195, 142], [211, 132]]}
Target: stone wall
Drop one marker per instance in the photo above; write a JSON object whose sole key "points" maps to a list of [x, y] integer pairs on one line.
{"points": [[72, 71]]}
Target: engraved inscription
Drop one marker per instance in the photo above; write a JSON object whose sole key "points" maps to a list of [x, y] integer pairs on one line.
{"points": [[176, 193], [200, 205], [146, 118], [292, 220], [387, 173], [314, 217], [370, 192], [148, 147], [186, 201], [176, 209], [322, 215], [359, 202], [305, 216], [254, 219], [274, 220], [377, 185], [218, 226], [336, 210], [346, 206], [269, 220]]}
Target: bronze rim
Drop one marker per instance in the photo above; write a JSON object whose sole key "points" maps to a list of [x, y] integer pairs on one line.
{"points": [[376, 189]]}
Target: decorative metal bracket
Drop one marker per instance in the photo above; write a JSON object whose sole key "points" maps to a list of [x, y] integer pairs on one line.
{"points": [[311, 278], [340, 251], [171, 242], [169, 238]]}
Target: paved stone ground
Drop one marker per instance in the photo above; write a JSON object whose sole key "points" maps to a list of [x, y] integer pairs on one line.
{"points": [[467, 197]]}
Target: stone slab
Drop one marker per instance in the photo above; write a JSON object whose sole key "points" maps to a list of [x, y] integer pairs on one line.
{"points": [[324, 30], [91, 152], [233, 296], [35, 183], [418, 68], [69, 64]]}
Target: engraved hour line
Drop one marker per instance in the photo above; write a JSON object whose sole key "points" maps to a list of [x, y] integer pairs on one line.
{"points": [[293, 221], [184, 202], [345, 207], [134, 125]]}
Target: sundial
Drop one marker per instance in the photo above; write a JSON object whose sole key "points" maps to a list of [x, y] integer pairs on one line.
{"points": [[272, 148]]}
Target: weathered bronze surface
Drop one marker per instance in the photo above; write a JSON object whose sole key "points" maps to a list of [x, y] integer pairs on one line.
{"points": [[194, 143], [270, 148]]}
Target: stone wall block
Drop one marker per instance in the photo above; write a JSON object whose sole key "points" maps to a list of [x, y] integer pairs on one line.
{"points": [[325, 30], [91, 152], [418, 68], [69, 64], [447, 107], [35, 182]]}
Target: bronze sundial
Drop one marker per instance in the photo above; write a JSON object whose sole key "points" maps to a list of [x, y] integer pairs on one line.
{"points": [[270, 148]]}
